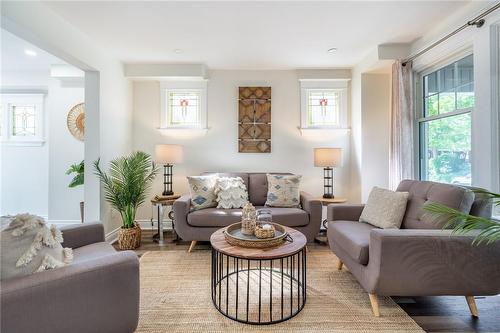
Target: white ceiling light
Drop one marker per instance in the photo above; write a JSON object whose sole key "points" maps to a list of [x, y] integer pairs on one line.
{"points": [[30, 53], [177, 51], [332, 50]]}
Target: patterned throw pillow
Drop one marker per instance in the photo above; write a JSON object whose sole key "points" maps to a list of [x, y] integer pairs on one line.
{"points": [[283, 190], [385, 208], [202, 189], [231, 192], [29, 246]]}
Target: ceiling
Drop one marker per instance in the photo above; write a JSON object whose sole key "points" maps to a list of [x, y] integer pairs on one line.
{"points": [[252, 34], [14, 58]]}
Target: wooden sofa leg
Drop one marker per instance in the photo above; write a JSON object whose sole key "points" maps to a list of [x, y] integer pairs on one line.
{"points": [[191, 247], [339, 265], [472, 306], [374, 302]]}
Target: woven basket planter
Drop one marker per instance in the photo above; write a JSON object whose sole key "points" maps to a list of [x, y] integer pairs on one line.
{"points": [[129, 239]]}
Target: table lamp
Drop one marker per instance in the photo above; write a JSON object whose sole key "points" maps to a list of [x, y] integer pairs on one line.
{"points": [[328, 158], [168, 155]]}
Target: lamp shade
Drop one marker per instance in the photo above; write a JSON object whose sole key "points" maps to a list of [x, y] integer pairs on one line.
{"points": [[169, 154], [327, 157]]}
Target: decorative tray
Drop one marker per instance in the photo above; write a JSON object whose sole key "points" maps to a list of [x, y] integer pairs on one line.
{"points": [[234, 237]]}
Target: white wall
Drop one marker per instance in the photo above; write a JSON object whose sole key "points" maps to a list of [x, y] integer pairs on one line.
{"points": [[218, 149], [108, 99], [33, 177], [64, 150], [24, 170], [375, 125]]}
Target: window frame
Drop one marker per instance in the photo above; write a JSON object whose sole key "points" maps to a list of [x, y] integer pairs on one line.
{"points": [[199, 86], [420, 118], [8, 100], [340, 86]]}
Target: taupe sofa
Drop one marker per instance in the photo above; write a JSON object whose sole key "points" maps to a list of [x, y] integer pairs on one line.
{"points": [[199, 225], [98, 292], [420, 259]]}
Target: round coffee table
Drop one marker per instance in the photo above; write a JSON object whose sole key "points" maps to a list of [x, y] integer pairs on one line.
{"points": [[259, 286]]}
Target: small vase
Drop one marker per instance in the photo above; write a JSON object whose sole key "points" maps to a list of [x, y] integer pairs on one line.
{"points": [[129, 238], [248, 227]]}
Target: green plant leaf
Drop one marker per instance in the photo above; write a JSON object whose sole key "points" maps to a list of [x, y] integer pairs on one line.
{"points": [[127, 183]]}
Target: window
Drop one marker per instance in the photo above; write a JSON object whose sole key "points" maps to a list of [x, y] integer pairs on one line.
{"points": [[323, 105], [445, 123], [21, 119], [183, 105]]}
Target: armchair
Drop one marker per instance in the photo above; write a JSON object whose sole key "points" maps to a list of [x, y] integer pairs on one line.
{"points": [[98, 292]]}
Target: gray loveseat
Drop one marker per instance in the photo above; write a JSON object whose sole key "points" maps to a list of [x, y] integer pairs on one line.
{"points": [[420, 259], [98, 292], [199, 225]]}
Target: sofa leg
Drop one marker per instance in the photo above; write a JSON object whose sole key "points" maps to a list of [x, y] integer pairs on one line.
{"points": [[191, 247], [374, 302], [339, 265], [472, 306]]}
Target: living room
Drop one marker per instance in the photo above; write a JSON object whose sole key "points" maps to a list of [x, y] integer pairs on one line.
{"points": [[297, 164]]}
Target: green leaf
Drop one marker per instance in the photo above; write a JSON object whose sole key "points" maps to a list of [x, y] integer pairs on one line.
{"points": [[127, 183]]}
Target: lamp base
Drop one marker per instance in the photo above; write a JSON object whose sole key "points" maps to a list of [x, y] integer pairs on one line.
{"points": [[328, 196], [167, 193]]}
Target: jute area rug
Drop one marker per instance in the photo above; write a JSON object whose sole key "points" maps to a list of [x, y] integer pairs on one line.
{"points": [[175, 297]]}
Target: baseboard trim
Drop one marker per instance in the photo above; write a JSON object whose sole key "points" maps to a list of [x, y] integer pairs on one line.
{"points": [[148, 225], [112, 236]]}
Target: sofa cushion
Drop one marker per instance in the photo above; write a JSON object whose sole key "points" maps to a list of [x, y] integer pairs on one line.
{"points": [[213, 217], [242, 175], [257, 187], [231, 192], [29, 246], [202, 190], [353, 237], [384, 208], [92, 251], [422, 192], [283, 190]]}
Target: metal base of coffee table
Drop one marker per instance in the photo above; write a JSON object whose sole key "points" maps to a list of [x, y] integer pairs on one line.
{"points": [[259, 291]]}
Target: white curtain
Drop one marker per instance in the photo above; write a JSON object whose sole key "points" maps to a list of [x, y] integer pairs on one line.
{"points": [[401, 154]]}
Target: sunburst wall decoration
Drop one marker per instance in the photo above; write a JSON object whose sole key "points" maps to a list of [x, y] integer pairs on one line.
{"points": [[76, 121]]}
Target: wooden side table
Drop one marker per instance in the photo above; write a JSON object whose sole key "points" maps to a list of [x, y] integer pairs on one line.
{"points": [[161, 203], [322, 237]]}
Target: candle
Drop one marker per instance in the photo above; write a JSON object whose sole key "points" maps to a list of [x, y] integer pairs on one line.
{"points": [[266, 226]]}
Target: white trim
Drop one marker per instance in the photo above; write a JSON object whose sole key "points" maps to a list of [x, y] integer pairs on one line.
{"points": [[7, 101], [339, 85], [112, 236], [322, 132], [171, 85], [495, 108], [148, 224]]}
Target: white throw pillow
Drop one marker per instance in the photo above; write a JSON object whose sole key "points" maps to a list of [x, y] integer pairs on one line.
{"points": [[385, 209], [283, 190], [231, 192], [30, 246], [202, 189]]}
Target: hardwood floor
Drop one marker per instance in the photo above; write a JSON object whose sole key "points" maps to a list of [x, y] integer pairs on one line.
{"points": [[433, 314]]}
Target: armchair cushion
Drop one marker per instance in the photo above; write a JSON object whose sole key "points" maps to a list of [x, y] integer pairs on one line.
{"points": [[92, 252], [352, 237], [82, 234]]}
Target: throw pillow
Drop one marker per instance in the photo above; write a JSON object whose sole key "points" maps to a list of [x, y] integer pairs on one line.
{"points": [[30, 246], [231, 192], [202, 189], [283, 190], [385, 209]]}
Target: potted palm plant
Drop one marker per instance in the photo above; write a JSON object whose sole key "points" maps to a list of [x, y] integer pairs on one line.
{"points": [[77, 169], [125, 188], [488, 230]]}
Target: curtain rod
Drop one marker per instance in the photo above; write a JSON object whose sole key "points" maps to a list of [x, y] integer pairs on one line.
{"points": [[478, 21]]}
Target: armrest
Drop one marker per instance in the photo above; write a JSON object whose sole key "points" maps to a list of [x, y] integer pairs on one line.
{"points": [[433, 262], [181, 208], [309, 203], [82, 234], [64, 299], [350, 212]]}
